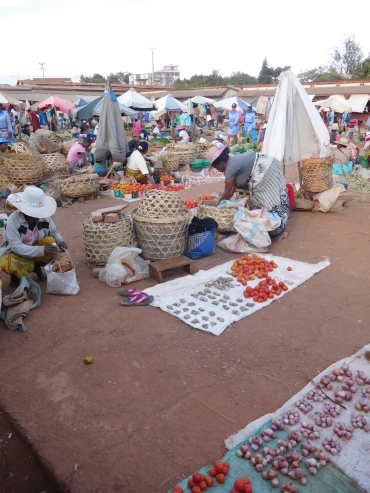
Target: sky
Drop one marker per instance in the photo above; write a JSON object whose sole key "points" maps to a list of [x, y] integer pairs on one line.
{"points": [[86, 36]]}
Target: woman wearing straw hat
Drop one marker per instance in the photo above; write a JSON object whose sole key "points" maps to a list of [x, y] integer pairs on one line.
{"points": [[31, 239], [262, 174], [342, 157], [334, 136]]}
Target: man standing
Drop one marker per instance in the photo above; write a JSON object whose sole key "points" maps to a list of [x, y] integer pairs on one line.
{"points": [[34, 120], [249, 122]]}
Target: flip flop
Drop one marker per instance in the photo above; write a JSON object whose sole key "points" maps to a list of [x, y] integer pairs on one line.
{"points": [[130, 292], [140, 299]]}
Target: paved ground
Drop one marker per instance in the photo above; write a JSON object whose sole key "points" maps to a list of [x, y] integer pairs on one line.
{"points": [[127, 423]]}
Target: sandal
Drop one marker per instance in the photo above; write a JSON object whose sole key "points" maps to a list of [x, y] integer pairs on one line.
{"points": [[130, 292], [140, 299]]}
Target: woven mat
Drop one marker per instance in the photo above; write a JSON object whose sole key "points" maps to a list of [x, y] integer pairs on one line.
{"points": [[170, 292]]}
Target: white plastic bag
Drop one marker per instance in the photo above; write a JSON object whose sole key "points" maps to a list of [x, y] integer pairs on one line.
{"points": [[61, 282], [324, 201], [124, 266]]}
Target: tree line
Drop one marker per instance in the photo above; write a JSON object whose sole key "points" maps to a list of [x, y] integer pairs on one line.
{"points": [[346, 62]]}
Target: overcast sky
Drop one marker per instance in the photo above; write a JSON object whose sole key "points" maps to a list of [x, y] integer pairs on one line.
{"points": [[86, 36]]}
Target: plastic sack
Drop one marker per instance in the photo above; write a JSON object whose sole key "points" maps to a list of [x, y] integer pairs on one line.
{"points": [[61, 282], [124, 266], [254, 134], [254, 225], [324, 201], [227, 204], [237, 244]]}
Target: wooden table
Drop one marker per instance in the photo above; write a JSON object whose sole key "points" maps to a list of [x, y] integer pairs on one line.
{"points": [[157, 268]]}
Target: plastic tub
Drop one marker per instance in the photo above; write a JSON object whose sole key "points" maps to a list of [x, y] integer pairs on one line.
{"points": [[364, 162]]}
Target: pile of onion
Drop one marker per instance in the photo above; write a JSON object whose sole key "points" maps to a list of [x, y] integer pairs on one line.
{"points": [[332, 446], [290, 418], [308, 431], [358, 421]]}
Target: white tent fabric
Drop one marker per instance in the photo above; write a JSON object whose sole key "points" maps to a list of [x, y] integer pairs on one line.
{"points": [[202, 100], [262, 103], [295, 130], [136, 101], [334, 104], [167, 103], [228, 102], [7, 99], [358, 102]]}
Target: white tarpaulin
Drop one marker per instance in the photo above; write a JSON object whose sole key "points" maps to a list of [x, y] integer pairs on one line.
{"points": [[168, 104], [335, 104], [136, 101], [295, 130], [184, 288], [358, 102]]}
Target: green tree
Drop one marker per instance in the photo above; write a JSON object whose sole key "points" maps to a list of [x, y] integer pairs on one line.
{"points": [[119, 77], [266, 73], [346, 57], [241, 79], [319, 74], [362, 71], [215, 78], [94, 78]]}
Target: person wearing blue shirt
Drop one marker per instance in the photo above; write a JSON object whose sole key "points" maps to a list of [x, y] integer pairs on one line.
{"points": [[331, 118], [233, 125], [6, 129], [249, 122]]}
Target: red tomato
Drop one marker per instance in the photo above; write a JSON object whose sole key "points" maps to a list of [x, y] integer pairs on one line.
{"points": [[281, 284], [225, 470], [212, 472], [196, 489], [270, 296], [178, 489], [220, 478], [246, 480], [191, 483], [234, 491], [209, 481], [202, 485], [285, 288], [247, 488], [275, 286], [239, 485], [289, 268], [218, 466], [197, 478]]}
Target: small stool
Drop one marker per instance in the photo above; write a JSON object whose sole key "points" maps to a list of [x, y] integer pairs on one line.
{"points": [[156, 268]]}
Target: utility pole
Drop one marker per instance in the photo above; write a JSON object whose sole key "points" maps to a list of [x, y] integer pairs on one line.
{"points": [[43, 69], [152, 50]]}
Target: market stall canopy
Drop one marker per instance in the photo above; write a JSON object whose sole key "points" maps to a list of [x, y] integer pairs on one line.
{"points": [[227, 104], [123, 110], [111, 141], [168, 104], [80, 102], [94, 109], [60, 104], [136, 101], [295, 130], [202, 100], [334, 104], [358, 102], [5, 100]]}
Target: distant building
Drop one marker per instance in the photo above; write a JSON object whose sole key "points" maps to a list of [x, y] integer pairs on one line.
{"points": [[164, 77], [40, 80]]}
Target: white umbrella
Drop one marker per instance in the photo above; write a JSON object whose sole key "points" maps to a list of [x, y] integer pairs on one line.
{"points": [[228, 102], [168, 104], [334, 104], [202, 100], [136, 101], [295, 130]]}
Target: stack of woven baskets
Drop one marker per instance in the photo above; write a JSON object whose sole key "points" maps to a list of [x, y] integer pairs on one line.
{"points": [[161, 225], [317, 174], [101, 238], [224, 217], [186, 153], [54, 165]]}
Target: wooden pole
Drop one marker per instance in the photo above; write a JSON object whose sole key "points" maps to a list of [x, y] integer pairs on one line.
{"points": [[56, 120], [300, 177], [20, 124]]}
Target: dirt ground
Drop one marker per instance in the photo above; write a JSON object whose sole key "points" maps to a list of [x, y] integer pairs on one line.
{"points": [[128, 423]]}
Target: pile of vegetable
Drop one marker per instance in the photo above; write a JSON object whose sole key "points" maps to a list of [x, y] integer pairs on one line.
{"points": [[248, 148], [171, 188], [164, 140], [129, 187], [191, 204]]}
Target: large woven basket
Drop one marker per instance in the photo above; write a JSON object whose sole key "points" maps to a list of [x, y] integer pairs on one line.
{"points": [[202, 147], [317, 174], [170, 161], [21, 148], [224, 217], [158, 204], [161, 238], [4, 180], [67, 145], [80, 185], [100, 239], [55, 165], [23, 169]]}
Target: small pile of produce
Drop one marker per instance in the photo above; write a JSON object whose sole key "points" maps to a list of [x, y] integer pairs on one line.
{"points": [[164, 140], [171, 188], [190, 203], [250, 267], [244, 148], [127, 188], [265, 290]]}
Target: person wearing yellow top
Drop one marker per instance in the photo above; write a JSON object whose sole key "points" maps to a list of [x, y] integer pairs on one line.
{"points": [[137, 167]]}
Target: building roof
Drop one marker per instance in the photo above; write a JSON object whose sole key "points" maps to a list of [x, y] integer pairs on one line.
{"points": [[40, 80]]}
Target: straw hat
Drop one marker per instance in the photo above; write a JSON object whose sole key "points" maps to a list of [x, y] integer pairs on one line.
{"points": [[335, 126], [220, 137], [343, 141], [33, 202], [213, 153]]}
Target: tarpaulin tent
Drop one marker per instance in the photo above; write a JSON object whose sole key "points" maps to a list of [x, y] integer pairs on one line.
{"points": [[295, 130], [168, 104], [111, 140], [227, 104], [94, 109], [7, 100], [136, 101], [80, 102], [334, 104], [58, 103], [202, 100], [122, 108]]}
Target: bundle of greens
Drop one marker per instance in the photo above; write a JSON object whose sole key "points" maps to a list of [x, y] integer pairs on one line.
{"points": [[241, 148]]}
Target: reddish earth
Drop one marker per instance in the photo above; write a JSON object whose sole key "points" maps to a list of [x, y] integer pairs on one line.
{"points": [[127, 422]]}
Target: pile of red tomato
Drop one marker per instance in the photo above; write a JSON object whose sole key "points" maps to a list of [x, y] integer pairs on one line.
{"points": [[250, 267], [190, 204], [171, 188], [219, 470], [265, 290], [242, 485], [205, 198], [199, 482]]}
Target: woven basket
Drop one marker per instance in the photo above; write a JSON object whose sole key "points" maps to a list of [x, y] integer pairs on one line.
{"points": [[100, 239], [317, 174], [185, 158], [202, 147], [157, 204], [23, 169], [66, 146], [80, 185], [161, 238], [224, 217], [241, 194], [55, 165], [170, 161], [21, 148]]}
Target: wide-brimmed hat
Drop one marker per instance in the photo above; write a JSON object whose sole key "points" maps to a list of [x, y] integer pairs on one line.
{"points": [[343, 141], [335, 126], [213, 153], [33, 202], [220, 137], [180, 127], [4, 141]]}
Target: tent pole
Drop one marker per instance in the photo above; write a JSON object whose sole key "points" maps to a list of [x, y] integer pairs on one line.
{"points": [[300, 176], [172, 126], [20, 124], [56, 120]]}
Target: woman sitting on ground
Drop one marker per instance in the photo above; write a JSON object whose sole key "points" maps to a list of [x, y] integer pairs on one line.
{"points": [[262, 175], [79, 155], [137, 167], [342, 157], [31, 239]]}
